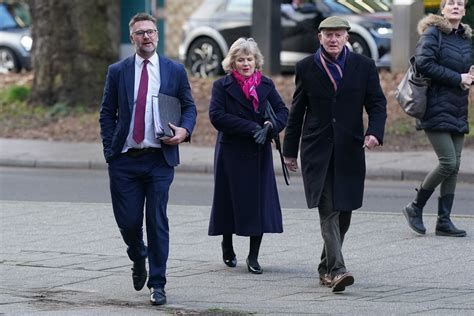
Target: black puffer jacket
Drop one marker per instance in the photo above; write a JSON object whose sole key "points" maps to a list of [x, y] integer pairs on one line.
{"points": [[447, 103]]}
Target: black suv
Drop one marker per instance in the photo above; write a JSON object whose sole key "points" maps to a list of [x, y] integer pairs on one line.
{"points": [[216, 24]]}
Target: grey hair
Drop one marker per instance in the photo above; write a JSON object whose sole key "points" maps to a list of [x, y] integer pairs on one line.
{"points": [[140, 17], [243, 46]]}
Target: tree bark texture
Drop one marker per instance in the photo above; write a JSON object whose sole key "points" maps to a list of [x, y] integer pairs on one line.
{"points": [[73, 43]]}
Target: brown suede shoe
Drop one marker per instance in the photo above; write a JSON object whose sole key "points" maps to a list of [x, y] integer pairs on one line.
{"points": [[340, 281], [325, 280]]}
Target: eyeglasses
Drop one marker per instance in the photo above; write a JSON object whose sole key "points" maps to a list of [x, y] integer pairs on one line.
{"points": [[150, 33]]}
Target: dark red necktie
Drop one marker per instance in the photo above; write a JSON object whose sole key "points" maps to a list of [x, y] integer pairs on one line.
{"points": [[139, 123]]}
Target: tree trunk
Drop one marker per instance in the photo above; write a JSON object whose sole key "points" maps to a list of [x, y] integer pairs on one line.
{"points": [[73, 43]]}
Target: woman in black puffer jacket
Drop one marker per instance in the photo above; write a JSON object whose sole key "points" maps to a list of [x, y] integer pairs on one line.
{"points": [[443, 54]]}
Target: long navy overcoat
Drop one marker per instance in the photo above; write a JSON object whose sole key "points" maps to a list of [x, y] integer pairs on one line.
{"points": [[245, 199], [330, 127]]}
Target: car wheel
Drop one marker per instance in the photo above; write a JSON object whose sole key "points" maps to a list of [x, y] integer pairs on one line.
{"points": [[204, 58], [8, 61], [359, 45]]}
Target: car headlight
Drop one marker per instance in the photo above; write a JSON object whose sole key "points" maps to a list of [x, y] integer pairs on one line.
{"points": [[383, 31], [26, 41]]}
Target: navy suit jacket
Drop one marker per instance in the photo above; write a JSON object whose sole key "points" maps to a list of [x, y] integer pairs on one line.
{"points": [[117, 105]]}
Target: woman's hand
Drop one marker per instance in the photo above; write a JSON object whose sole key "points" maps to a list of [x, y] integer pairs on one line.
{"points": [[466, 79]]}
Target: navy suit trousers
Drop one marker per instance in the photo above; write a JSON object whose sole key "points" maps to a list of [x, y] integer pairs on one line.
{"points": [[137, 183]]}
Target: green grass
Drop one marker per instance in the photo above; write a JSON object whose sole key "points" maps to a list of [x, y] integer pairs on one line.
{"points": [[15, 112], [14, 105], [14, 108]]}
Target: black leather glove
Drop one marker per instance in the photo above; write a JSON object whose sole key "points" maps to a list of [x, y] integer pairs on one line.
{"points": [[260, 136]]}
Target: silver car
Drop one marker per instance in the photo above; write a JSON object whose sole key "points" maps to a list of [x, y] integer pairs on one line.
{"points": [[15, 38], [216, 24]]}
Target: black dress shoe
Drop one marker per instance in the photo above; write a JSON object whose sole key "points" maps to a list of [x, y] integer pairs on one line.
{"points": [[139, 274], [228, 256], [255, 269], [157, 296]]}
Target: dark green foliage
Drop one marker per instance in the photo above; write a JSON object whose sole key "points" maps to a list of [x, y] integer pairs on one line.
{"points": [[15, 93]]}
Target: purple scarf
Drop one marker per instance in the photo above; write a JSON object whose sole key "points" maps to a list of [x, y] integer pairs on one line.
{"points": [[334, 68]]}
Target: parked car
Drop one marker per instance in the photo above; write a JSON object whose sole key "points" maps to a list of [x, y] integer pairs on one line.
{"points": [[15, 38], [216, 24]]}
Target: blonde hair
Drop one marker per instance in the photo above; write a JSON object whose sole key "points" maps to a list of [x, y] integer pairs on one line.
{"points": [[246, 46], [443, 3]]}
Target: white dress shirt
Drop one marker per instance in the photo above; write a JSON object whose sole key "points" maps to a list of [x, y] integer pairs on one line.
{"points": [[154, 82]]}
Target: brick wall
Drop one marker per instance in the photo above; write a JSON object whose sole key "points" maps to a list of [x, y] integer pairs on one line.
{"points": [[177, 11]]}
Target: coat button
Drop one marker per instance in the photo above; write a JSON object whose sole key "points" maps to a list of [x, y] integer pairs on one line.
{"points": [[334, 120]]}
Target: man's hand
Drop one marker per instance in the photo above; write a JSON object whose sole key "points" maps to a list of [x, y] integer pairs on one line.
{"points": [[291, 163], [180, 134], [370, 142]]}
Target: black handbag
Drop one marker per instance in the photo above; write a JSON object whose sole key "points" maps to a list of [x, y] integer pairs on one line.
{"points": [[269, 115]]}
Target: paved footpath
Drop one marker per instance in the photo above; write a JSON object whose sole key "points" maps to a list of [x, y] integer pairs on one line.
{"points": [[68, 259], [381, 164]]}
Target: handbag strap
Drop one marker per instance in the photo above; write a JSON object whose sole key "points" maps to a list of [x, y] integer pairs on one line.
{"points": [[270, 115]]}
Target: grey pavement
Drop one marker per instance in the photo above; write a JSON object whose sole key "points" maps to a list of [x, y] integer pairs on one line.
{"points": [[69, 259], [411, 165]]}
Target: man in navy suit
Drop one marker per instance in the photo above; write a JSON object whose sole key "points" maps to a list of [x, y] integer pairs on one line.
{"points": [[141, 167]]}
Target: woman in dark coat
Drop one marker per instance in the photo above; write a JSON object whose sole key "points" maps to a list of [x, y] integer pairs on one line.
{"points": [[246, 199], [443, 54]]}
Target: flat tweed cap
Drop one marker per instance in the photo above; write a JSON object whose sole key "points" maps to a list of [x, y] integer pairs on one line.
{"points": [[334, 22]]}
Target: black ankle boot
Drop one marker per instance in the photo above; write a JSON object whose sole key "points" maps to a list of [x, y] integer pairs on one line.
{"points": [[414, 211], [444, 226]]}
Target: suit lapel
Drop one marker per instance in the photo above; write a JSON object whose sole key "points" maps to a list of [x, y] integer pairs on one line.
{"points": [[165, 72], [129, 77]]}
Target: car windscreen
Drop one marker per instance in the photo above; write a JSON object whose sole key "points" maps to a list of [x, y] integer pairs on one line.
{"points": [[331, 6], [6, 19], [362, 6]]}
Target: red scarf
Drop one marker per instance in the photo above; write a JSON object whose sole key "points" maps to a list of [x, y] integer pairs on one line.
{"points": [[249, 86]]}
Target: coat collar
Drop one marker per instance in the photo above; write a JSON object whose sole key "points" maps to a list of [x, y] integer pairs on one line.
{"points": [[348, 70], [349, 67], [233, 88], [442, 24]]}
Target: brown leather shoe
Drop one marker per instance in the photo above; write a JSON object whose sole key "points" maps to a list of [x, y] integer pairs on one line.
{"points": [[325, 280], [340, 281]]}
